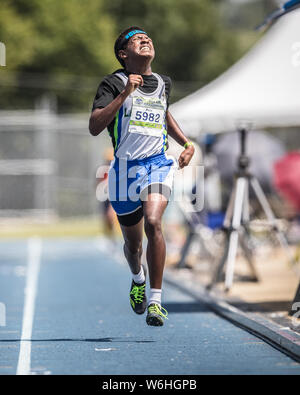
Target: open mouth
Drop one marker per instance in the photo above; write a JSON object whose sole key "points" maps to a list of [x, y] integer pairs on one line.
{"points": [[145, 48]]}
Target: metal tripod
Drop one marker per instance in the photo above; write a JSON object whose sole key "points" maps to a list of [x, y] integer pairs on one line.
{"points": [[238, 216], [196, 229]]}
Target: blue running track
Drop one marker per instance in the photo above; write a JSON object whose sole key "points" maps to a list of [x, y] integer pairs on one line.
{"points": [[75, 318]]}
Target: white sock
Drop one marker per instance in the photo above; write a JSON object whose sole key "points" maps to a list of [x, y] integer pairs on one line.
{"points": [[155, 296], [140, 277]]}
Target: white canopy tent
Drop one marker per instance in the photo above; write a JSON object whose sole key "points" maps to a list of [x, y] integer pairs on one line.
{"points": [[263, 87]]}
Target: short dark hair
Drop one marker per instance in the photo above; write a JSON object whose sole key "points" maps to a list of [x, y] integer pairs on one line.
{"points": [[121, 42]]}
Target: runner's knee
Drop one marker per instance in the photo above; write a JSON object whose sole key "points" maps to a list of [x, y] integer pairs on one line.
{"points": [[152, 225]]}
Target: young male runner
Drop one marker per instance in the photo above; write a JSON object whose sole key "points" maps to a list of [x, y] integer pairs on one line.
{"points": [[133, 104]]}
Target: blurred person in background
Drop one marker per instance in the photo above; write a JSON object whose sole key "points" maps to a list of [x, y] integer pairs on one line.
{"points": [[133, 104], [107, 214]]}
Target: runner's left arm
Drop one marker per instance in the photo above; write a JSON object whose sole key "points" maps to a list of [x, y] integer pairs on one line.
{"points": [[174, 131]]}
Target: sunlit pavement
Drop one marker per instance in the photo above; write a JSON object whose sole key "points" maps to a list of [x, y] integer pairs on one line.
{"points": [[75, 318]]}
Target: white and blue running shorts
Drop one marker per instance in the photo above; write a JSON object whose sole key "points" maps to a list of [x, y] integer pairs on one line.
{"points": [[130, 182]]}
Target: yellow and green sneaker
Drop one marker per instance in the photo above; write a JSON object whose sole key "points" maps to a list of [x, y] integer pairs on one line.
{"points": [[138, 300], [156, 315]]}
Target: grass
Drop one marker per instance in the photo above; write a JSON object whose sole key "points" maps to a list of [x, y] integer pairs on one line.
{"points": [[81, 227]]}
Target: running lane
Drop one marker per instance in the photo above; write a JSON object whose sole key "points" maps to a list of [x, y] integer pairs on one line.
{"points": [[84, 324], [13, 264]]}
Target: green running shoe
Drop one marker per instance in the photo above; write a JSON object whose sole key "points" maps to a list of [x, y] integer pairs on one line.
{"points": [[156, 315], [138, 298]]}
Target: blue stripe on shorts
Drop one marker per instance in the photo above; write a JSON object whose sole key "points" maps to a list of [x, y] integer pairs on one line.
{"points": [[127, 179]]}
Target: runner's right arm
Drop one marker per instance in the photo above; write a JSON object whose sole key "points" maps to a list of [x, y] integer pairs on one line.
{"points": [[102, 117]]}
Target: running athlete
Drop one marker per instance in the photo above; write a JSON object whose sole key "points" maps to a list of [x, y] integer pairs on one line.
{"points": [[133, 104]]}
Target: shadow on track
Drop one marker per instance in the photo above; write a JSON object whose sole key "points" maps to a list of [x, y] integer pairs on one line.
{"points": [[100, 340]]}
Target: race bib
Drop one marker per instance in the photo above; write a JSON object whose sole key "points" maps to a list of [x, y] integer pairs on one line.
{"points": [[147, 116]]}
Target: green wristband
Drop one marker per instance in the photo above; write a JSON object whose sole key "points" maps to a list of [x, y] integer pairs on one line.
{"points": [[187, 144]]}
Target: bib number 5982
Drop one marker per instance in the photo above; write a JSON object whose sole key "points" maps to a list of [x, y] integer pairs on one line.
{"points": [[145, 116]]}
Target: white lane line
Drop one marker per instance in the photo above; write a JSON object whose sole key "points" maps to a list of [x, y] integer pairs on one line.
{"points": [[34, 259]]}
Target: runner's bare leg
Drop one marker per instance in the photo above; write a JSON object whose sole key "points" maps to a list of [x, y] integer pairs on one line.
{"points": [[154, 208], [133, 238]]}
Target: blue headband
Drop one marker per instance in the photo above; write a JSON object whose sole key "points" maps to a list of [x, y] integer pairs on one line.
{"points": [[133, 32], [128, 36]]}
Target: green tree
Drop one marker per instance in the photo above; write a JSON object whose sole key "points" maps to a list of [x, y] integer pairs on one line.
{"points": [[52, 38], [16, 32], [65, 47], [189, 37]]}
